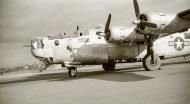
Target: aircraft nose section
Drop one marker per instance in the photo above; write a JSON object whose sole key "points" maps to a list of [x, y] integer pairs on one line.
{"points": [[33, 44], [37, 47], [36, 53]]}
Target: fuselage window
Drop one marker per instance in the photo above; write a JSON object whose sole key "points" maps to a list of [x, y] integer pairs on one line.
{"points": [[99, 33], [56, 42], [80, 34]]}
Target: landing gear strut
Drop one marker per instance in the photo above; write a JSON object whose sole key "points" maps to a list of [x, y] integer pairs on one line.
{"points": [[43, 68], [2, 71], [72, 71], [46, 64], [185, 57], [109, 66], [151, 61]]}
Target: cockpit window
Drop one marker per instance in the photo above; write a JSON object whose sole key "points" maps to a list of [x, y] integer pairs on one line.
{"points": [[60, 36], [98, 32], [81, 34], [37, 43], [33, 44]]}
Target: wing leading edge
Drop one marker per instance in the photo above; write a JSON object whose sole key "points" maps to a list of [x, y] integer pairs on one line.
{"points": [[184, 14]]}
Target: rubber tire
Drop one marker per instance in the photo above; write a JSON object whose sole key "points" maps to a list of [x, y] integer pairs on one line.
{"points": [[41, 70], [148, 65], [109, 66], [2, 73], [72, 72], [45, 67]]}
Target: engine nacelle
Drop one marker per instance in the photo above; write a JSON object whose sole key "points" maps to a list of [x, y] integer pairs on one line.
{"points": [[160, 19], [118, 34], [123, 35]]}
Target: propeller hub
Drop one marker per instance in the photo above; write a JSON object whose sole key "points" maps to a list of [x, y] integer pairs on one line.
{"points": [[136, 22]]}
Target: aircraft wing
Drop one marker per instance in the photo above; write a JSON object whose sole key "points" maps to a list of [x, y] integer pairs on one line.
{"points": [[184, 14]]}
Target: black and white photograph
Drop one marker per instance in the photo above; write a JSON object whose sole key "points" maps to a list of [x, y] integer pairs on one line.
{"points": [[94, 52]]}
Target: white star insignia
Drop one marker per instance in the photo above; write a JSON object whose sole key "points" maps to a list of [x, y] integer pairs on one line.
{"points": [[179, 44]]}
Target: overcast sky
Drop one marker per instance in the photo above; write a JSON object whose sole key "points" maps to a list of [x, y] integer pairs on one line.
{"points": [[20, 20]]}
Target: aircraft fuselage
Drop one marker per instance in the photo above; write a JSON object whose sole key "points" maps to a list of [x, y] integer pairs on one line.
{"points": [[93, 49]]}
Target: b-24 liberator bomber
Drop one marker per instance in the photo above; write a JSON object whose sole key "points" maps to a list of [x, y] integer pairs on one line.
{"points": [[155, 36]]}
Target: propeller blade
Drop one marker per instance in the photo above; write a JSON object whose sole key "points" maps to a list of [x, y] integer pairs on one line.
{"points": [[148, 24], [77, 28], [108, 24], [136, 7], [107, 29], [134, 36]]}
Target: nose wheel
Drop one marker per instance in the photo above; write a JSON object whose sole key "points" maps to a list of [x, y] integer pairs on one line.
{"points": [[43, 67], [2, 71], [72, 71]]}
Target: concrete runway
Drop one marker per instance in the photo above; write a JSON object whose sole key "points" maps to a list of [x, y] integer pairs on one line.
{"points": [[128, 84]]}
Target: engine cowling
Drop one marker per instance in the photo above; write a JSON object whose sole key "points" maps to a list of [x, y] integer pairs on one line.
{"points": [[118, 34], [123, 35], [160, 19]]}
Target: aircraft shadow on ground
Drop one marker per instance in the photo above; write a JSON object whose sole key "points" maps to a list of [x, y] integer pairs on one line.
{"points": [[172, 63], [118, 75]]}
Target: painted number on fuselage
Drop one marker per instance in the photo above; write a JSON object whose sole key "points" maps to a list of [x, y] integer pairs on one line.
{"points": [[83, 39]]}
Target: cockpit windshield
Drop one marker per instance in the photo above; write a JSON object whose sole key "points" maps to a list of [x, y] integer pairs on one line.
{"points": [[37, 43], [81, 33], [52, 37]]}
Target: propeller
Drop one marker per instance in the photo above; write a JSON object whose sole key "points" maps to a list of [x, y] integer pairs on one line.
{"points": [[149, 24], [141, 22], [136, 6], [77, 28], [107, 29]]}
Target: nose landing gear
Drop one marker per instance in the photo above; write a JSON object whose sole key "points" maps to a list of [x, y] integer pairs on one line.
{"points": [[46, 64], [72, 71]]}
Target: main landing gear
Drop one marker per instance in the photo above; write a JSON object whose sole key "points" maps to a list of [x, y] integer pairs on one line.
{"points": [[109, 66], [72, 71], [151, 61]]}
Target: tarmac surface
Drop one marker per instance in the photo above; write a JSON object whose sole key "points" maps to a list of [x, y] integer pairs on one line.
{"points": [[128, 84]]}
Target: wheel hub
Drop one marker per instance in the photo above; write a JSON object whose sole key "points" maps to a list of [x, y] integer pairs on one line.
{"points": [[73, 72], [153, 62]]}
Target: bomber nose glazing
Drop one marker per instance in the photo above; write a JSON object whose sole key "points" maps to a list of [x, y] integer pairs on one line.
{"points": [[36, 46]]}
